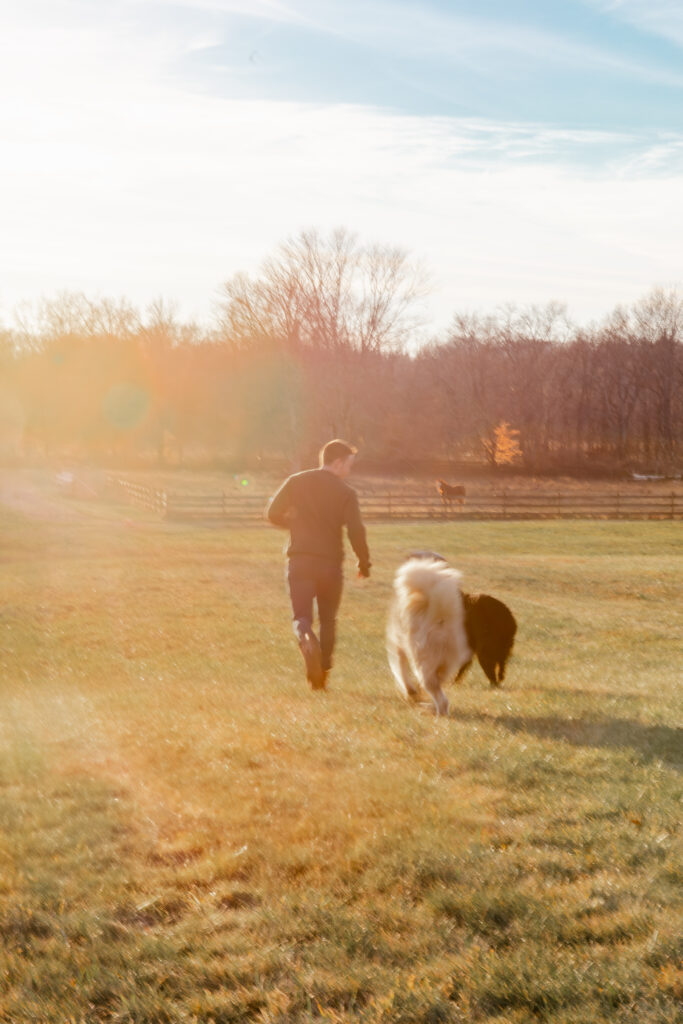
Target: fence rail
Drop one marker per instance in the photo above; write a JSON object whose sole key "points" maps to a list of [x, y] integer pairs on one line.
{"points": [[138, 494], [379, 505]]}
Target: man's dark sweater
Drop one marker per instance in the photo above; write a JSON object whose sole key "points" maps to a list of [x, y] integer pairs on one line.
{"points": [[315, 506]]}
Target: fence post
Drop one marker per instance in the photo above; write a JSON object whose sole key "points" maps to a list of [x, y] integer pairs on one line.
{"points": [[389, 496], [618, 506], [505, 494], [673, 504]]}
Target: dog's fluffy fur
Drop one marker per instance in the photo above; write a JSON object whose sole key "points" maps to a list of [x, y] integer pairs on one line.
{"points": [[435, 629]]}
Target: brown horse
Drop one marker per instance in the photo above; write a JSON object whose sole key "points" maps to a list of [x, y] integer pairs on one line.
{"points": [[450, 493]]}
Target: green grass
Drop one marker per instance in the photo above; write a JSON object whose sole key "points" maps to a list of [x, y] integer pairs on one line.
{"points": [[188, 834]]}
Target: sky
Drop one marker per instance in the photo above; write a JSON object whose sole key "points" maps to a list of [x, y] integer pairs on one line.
{"points": [[523, 151]]}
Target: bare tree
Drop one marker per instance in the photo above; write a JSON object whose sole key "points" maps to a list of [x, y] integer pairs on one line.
{"points": [[470, 376], [74, 315], [326, 294], [659, 321], [528, 339], [576, 397], [619, 381]]}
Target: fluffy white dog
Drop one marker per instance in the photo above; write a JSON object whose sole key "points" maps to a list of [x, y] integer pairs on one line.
{"points": [[435, 629]]}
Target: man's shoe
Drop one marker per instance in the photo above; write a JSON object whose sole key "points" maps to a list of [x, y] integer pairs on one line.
{"points": [[310, 648], [322, 684]]}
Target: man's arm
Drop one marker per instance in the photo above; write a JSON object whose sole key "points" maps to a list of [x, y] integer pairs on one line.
{"points": [[356, 532], [280, 509]]}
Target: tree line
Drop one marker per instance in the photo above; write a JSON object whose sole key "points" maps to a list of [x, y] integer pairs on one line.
{"points": [[322, 342]]}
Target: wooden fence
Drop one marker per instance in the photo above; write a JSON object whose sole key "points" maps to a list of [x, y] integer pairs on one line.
{"points": [[381, 506], [138, 494]]}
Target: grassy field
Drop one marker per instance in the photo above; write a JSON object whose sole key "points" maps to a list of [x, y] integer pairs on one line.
{"points": [[188, 834]]}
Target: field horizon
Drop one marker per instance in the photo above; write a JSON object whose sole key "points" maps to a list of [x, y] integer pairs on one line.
{"points": [[191, 835]]}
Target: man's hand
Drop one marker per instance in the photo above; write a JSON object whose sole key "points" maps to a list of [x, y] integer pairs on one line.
{"points": [[363, 572]]}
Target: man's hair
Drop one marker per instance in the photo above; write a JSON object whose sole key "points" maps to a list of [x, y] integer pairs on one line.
{"points": [[334, 450]]}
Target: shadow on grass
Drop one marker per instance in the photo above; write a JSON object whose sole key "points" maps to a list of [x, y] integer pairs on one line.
{"points": [[651, 742]]}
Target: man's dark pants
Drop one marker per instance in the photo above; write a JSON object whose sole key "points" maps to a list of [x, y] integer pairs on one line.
{"points": [[310, 578]]}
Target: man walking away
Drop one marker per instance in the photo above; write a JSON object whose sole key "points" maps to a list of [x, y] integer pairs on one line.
{"points": [[315, 506]]}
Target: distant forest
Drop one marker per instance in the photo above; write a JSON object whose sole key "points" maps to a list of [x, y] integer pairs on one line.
{"points": [[322, 343]]}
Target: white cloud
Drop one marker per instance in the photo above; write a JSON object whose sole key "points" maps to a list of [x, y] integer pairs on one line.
{"points": [[117, 181]]}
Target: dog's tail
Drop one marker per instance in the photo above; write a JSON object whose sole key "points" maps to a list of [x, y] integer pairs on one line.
{"points": [[423, 581]]}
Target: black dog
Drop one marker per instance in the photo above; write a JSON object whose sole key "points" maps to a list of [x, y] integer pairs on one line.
{"points": [[490, 628]]}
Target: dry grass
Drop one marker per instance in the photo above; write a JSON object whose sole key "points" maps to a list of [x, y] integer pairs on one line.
{"points": [[190, 835]]}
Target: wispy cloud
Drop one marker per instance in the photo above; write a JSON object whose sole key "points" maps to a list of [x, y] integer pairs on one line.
{"points": [[421, 32], [414, 29], [192, 190], [663, 18], [120, 179]]}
